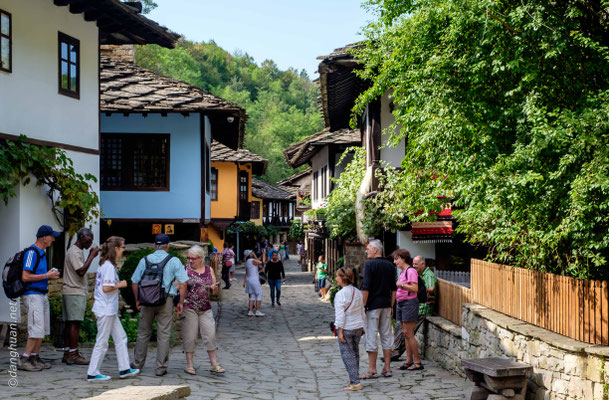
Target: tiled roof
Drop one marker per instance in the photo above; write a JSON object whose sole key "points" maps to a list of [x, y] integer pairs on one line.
{"points": [[220, 152], [126, 88], [301, 152], [290, 180], [266, 191]]}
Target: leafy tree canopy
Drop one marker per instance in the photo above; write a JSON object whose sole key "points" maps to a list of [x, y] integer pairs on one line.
{"points": [[281, 105], [504, 106]]}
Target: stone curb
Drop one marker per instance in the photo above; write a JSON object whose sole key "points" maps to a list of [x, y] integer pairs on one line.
{"points": [[145, 393]]}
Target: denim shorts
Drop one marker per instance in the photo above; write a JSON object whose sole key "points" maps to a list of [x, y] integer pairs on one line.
{"points": [[321, 283], [408, 310]]}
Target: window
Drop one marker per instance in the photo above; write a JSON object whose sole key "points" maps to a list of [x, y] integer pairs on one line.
{"points": [[315, 182], [207, 173], [6, 42], [243, 184], [285, 207], [135, 162], [69, 66], [324, 182], [214, 184], [255, 210]]}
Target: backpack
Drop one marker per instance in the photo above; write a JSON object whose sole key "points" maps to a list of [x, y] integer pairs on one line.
{"points": [[12, 275], [150, 290], [422, 293]]}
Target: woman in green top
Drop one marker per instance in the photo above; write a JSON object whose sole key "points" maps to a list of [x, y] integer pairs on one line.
{"points": [[322, 273]]}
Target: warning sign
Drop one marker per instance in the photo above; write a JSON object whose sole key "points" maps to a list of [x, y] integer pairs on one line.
{"points": [[169, 229], [156, 229]]}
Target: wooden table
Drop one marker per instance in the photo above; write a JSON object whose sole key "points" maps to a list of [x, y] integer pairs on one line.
{"points": [[497, 378]]}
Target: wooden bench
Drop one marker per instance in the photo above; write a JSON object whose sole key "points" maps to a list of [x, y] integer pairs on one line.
{"points": [[497, 378]]}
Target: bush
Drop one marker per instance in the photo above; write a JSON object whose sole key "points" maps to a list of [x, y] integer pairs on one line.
{"points": [[129, 267]]}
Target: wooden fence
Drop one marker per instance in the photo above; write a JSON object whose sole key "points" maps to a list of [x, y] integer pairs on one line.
{"points": [[571, 307], [574, 308]]}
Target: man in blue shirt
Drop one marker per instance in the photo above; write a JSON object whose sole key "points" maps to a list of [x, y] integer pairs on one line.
{"points": [[36, 277], [173, 271]]}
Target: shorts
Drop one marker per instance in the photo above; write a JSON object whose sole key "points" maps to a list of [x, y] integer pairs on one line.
{"points": [[408, 310], [232, 268], [256, 296], [38, 315], [73, 307], [378, 321], [321, 283]]}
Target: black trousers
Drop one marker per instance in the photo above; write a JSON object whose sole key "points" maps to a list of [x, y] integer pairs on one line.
{"points": [[399, 346], [225, 276]]}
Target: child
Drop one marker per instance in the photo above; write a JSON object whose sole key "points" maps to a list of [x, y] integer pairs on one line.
{"points": [[105, 309], [322, 273]]}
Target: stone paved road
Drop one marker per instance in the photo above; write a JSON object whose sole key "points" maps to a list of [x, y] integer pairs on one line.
{"points": [[288, 354]]}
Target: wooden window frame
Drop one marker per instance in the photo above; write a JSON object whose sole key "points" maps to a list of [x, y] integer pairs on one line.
{"points": [[315, 183], [244, 174], [213, 195], [10, 42], [255, 213], [207, 163], [128, 172], [63, 38]]}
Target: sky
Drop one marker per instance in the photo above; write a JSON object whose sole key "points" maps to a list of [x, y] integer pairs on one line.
{"points": [[293, 33]]}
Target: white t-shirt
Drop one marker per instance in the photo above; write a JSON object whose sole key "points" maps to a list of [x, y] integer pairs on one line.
{"points": [[106, 303]]}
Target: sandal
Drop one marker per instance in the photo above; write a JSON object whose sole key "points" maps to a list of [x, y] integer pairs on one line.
{"points": [[189, 369], [387, 374], [415, 367], [369, 375], [217, 369], [405, 366]]}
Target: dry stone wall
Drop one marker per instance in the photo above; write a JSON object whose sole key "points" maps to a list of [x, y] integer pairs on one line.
{"points": [[563, 368]]}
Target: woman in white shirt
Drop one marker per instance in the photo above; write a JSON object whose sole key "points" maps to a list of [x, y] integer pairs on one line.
{"points": [[349, 321], [105, 309]]}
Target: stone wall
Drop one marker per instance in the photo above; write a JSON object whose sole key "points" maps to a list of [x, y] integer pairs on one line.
{"points": [[123, 53], [563, 368]]}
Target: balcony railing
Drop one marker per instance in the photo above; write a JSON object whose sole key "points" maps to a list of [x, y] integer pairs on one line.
{"points": [[281, 221]]}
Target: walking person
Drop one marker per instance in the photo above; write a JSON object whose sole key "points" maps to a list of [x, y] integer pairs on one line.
{"points": [[378, 290], [198, 317], [172, 270], [286, 247], [300, 252], [231, 271], [276, 276], [408, 307], [36, 277], [227, 256], [74, 293], [321, 275], [349, 320], [105, 309], [252, 283]]}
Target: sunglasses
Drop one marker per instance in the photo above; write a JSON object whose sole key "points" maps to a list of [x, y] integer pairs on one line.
{"points": [[192, 258]]}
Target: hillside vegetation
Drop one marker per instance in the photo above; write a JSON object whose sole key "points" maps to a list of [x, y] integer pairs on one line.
{"points": [[281, 105]]}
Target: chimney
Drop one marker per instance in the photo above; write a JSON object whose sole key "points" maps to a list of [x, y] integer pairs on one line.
{"points": [[124, 52]]}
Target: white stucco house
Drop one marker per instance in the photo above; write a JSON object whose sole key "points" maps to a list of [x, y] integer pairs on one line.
{"points": [[49, 91]]}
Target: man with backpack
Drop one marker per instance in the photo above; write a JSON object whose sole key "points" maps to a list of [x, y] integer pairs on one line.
{"points": [[155, 297], [36, 279]]}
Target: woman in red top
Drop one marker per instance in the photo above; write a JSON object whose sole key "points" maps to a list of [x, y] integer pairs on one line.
{"points": [[407, 312]]}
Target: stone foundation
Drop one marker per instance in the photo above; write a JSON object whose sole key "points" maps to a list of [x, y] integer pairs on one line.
{"points": [[563, 368]]}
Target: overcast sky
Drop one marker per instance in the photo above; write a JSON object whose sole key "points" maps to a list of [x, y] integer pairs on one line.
{"points": [[291, 33]]}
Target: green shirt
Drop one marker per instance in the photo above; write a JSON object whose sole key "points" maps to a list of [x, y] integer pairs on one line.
{"points": [[322, 269], [430, 281]]}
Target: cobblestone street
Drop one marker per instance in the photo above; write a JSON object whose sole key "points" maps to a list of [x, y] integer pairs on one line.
{"points": [[289, 353]]}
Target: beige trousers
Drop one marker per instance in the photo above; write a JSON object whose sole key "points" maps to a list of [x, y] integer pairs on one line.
{"points": [[195, 323], [164, 317]]}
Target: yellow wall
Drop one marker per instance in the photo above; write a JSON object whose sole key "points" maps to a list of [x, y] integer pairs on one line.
{"points": [[214, 236], [228, 190], [259, 220]]}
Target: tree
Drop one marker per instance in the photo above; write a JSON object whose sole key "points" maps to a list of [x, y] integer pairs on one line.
{"points": [[503, 106]]}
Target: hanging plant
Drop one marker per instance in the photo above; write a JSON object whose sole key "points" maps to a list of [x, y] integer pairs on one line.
{"points": [[72, 199]]}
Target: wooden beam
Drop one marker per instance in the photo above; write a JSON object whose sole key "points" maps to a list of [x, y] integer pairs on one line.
{"points": [[61, 2], [77, 7], [92, 15]]}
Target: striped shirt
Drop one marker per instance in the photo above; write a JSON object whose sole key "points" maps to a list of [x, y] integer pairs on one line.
{"points": [[430, 281]]}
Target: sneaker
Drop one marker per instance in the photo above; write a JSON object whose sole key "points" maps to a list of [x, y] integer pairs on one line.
{"points": [[127, 373], [278, 303], [37, 361], [25, 364], [250, 313], [98, 378], [64, 359], [259, 314], [352, 387], [75, 358]]}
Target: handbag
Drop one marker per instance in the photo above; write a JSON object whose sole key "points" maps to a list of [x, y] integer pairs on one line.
{"points": [[262, 277], [228, 263], [332, 326]]}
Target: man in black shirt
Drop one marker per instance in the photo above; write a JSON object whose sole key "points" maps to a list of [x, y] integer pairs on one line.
{"points": [[378, 290]]}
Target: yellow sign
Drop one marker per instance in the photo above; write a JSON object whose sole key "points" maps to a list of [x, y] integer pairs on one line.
{"points": [[156, 229], [169, 229]]}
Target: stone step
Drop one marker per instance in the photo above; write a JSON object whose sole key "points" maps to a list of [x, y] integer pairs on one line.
{"points": [[145, 393]]}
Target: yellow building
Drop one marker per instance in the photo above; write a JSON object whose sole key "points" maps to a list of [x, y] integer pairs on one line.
{"points": [[231, 190]]}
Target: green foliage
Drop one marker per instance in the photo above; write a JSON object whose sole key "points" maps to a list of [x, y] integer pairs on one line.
{"points": [[128, 268], [130, 324], [504, 107], [281, 105], [71, 196], [296, 229], [88, 326]]}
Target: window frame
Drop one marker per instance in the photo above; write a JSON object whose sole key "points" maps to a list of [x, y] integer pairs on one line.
{"points": [[255, 210], [127, 173], [315, 183], [10, 42], [63, 38], [212, 194], [207, 164]]}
